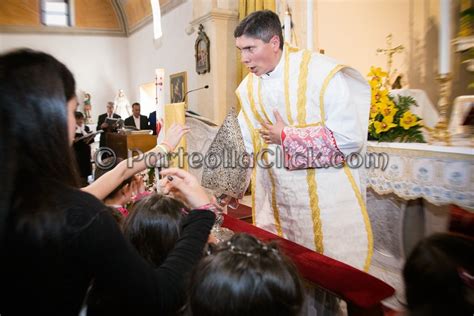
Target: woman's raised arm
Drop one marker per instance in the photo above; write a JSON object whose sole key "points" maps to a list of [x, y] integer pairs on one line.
{"points": [[104, 185]]}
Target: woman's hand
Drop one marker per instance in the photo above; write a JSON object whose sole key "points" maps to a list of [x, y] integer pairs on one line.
{"points": [[138, 183], [186, 186], [174, 135], [110, 180], [212, 239]]}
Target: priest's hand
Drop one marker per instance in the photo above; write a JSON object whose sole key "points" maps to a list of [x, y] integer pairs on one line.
{"points": [[271, 134]]}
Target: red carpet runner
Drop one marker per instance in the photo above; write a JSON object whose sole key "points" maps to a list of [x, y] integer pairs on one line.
{"points": [[360, 290]]}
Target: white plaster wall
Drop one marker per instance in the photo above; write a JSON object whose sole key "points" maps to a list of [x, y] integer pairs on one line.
{"points": [[352, 30], [100, 64], [174, 52]]}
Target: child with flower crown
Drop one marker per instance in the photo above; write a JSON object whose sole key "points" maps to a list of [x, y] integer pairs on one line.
{"points": [[245, 277]]}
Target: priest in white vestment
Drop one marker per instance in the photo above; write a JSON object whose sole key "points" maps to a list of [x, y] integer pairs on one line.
{"points": [[294, 102]]}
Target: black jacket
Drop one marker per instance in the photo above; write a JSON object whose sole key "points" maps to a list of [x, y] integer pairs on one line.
{"points": [[82, 149], [50, 276], [129, 121], [101, 120]]}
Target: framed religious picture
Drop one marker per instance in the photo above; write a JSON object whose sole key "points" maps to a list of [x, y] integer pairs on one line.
{"points": [[201, 47], [178, 86]]}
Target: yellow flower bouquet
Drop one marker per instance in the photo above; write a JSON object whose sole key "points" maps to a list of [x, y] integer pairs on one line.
{"points": [[390, 119]]}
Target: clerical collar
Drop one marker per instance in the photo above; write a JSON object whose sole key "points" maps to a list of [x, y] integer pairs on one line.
{"points": [[275, 73]]}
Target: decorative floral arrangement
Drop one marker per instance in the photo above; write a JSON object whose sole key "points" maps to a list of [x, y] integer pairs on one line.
{"points": [[390, 118]]}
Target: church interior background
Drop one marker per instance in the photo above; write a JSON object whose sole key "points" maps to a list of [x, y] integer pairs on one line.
{"points": [[109, 45]]}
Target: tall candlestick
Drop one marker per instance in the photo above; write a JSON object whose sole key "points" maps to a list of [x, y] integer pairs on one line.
{"points": [[287, 25], [440, 132], [444, 36], [160, 112], [160, 101]]}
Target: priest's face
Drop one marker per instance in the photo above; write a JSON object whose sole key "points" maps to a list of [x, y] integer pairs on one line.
{"points": [[259, 57]]}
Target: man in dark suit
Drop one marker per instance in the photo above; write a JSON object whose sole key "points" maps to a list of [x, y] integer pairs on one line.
{"points": [[101, 125], [136, 120]]}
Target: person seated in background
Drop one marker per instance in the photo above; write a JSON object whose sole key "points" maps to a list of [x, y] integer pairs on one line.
{"points": [[439, 276], [82, 148], [103, 125], [55, 239], [136, 120], [245, 277]]}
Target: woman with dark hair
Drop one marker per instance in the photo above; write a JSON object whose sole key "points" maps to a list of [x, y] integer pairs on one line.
{"points": [[56, 239], [439, 276], [245, 277]]}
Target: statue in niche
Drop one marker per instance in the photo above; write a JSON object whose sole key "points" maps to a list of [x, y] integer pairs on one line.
{"points": [[87, 108], [122, 105]]}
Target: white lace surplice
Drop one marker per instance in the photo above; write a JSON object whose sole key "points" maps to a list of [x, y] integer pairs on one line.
{"points": [[320, 208]]}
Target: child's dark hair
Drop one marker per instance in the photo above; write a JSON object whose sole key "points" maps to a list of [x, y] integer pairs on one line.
{"points": [[78, 115], [245, 277], [154, 226], [99, 172], [439, 276]]}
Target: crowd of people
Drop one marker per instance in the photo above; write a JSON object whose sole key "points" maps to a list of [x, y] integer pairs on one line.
{"points": [[67, 249], [106, 123]]}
